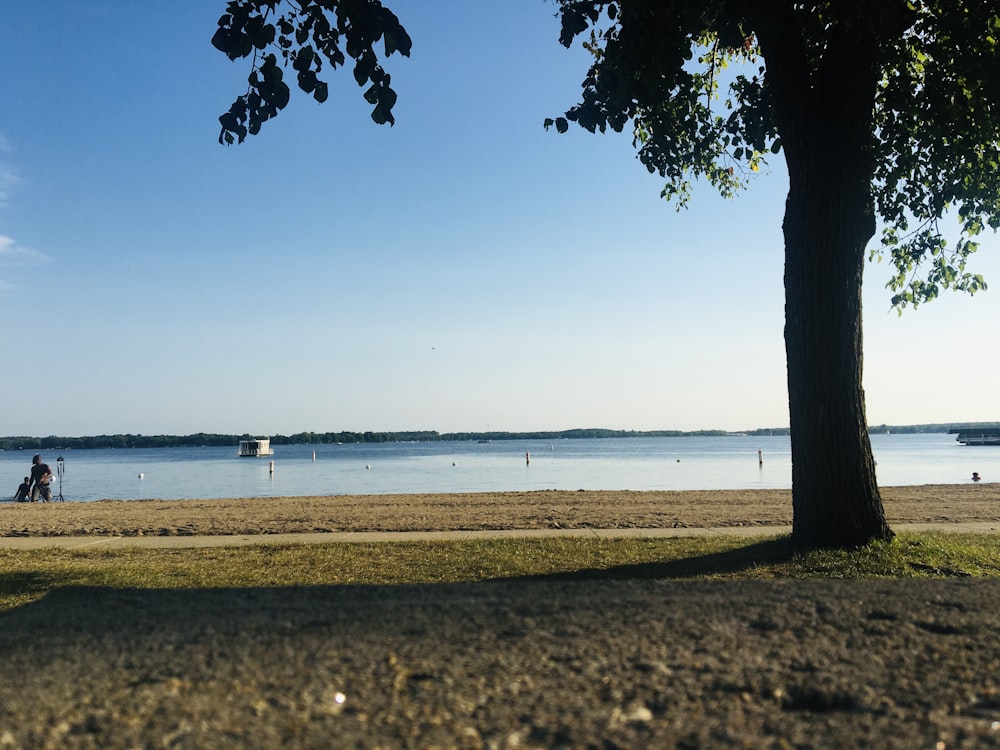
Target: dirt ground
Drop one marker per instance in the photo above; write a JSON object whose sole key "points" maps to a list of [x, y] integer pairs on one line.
{"points": [[545, 509], [515, 665], [520, 664]]}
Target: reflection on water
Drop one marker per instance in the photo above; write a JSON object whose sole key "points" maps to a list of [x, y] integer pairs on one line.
{"points": [[618, 463]]}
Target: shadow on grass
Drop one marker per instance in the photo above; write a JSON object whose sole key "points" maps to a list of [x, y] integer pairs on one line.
{"points": [[29, 583], [745, 557]]}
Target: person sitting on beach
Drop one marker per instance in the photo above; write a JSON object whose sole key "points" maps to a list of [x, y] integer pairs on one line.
{"points": [[975, 476], [23, 493], [40, 476]]}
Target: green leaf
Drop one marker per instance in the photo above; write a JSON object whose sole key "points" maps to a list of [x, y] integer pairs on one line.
{"points": [[281, 95], [220, 40], [307, 81], [364, 67], [303, 58]]}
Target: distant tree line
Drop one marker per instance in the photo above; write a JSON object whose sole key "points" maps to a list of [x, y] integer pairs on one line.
{"points": [[23, 442]]}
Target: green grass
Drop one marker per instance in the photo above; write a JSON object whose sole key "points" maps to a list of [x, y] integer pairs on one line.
{"points": [[28, 575]]}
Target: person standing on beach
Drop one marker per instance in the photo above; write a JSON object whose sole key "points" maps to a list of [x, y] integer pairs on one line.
{"points": [[41, 475]]}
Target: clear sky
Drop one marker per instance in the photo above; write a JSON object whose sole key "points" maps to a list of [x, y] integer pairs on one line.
{"points": [[464, 270]]}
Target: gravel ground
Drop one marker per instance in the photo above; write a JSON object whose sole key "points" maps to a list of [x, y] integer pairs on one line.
{"points": [[519, 664], [515, 664]]}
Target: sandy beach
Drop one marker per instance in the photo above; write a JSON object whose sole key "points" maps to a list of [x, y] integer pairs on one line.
{"points": [[477, 511]]}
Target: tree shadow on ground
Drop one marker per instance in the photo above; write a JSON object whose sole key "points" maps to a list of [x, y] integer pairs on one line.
{"points": [[559, 663], [739, 559], [29, 583]]}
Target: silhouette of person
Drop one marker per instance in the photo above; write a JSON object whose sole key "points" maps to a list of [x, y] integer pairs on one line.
{"points": [[24, 491], [41, 474]]}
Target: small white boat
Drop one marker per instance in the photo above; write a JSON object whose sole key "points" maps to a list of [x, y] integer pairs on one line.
{"points": [[256, 447]]}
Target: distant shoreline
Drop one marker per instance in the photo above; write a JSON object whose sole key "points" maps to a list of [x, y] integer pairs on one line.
{"points": [[128, 440]]}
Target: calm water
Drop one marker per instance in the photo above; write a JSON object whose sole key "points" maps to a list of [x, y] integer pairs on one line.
{"points": [[619, 463]]}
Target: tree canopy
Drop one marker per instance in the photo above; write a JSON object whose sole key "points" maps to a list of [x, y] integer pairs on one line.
{"points": [[934, 141], [306, 36]]}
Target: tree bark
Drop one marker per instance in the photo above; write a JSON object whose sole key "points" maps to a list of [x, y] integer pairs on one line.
{"points": [[824, 114], [835, 497]]}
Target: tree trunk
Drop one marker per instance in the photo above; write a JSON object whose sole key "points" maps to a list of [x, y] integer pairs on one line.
{"points": [[823, 98], [828, 221]]}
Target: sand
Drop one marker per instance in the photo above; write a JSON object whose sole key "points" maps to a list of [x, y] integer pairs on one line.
{"points": [[491, 510]]}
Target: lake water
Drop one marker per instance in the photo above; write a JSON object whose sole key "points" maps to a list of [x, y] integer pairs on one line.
{"points": [[681, 463]]}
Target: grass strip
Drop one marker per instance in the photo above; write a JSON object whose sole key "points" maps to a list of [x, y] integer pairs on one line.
{"points": [[26, 576]]}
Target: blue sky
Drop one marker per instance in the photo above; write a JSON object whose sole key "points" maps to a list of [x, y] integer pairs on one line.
{"points": [[463, 270]]}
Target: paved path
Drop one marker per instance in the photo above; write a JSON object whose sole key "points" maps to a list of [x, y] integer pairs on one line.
{"points": [[360, 537]]}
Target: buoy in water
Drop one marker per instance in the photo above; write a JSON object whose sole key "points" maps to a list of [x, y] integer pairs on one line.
{"points": [[140, 475]]}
